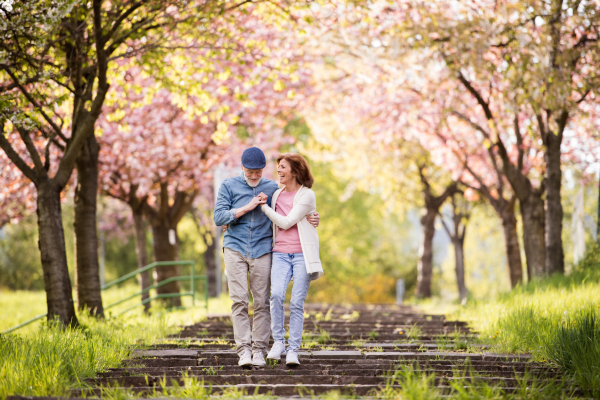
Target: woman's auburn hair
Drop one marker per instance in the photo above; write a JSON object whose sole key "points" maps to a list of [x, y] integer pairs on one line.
{"points": [[299, 167]]}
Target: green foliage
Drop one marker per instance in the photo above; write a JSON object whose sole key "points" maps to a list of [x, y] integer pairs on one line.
{"points": [[20, 266], [414, 385], [48, 362], [575, 346], [555, 319]]}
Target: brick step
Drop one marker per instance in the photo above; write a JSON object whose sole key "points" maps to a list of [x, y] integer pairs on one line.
{"points": [[292, 379], [357, 323], [366, 365], [348, 354], [372, 372], [250, 389]]}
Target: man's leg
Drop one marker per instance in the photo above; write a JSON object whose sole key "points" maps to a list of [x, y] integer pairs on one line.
{"points": [[237, 280], [260, 286]]}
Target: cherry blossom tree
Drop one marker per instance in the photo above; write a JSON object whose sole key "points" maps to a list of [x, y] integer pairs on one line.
{"points": [[487, 68], [521, 63], [54, 63]]}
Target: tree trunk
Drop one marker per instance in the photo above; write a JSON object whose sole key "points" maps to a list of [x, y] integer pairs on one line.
{"points": [[211, 266], [555, 259], [532, 214], [425, 264], [459, 260], [87, 270], [511, 242], [165, 251], [142, 254], [59, 294]]}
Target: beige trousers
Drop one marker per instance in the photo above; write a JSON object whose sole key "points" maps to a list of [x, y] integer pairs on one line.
{"points": [[258, 270]]}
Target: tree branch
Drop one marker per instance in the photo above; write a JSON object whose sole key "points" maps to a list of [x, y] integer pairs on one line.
{"points": [[31, 99], [35, 157], [475, 93], [15, 158]]}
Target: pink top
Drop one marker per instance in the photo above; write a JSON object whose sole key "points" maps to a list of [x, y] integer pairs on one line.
{"points": [[288, 240]]}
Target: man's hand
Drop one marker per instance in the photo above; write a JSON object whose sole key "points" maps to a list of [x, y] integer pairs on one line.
{"points": [[255, 202], [313, 219]]}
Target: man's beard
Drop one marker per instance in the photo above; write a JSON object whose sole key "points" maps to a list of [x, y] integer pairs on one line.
{"points": [[250, 183]]}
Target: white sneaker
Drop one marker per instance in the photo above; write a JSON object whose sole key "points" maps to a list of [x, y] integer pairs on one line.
{"points": [[245, 358], [277, 351], [258, 358], [292, 358]]}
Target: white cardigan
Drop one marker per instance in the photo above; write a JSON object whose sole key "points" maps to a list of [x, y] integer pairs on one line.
{"points": [[305, 202]]}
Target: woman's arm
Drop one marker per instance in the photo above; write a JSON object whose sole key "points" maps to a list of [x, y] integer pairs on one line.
{"points": [[298, 212]]}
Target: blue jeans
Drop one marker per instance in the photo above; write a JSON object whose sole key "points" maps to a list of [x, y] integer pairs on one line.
{"points": [[285, 266]]}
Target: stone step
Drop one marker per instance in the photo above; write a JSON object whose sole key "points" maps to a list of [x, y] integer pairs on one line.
{"points": [[378, 371], [291, 378]]}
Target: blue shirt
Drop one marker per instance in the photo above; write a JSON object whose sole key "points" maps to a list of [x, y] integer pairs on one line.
{"points": [[250, 235]]}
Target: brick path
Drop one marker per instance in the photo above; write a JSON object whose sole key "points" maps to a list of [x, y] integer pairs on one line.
{"points": [[353, 350]]}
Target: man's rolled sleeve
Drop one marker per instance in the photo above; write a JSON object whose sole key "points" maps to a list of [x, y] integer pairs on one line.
{"points": [[224, 213]]}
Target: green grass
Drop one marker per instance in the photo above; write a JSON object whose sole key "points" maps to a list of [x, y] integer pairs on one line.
{"points": [[556, 319], [44, 360], [48, 362], [19, 306], [417, 385]]}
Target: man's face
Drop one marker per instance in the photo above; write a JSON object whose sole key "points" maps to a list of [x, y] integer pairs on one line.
{"points": [[253, 176]]}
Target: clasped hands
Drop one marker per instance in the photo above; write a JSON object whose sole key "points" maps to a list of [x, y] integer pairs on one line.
{"points": [[262, 198]]}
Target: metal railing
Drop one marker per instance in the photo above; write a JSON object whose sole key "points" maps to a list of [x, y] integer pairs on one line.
{"points": [[192, 278]]}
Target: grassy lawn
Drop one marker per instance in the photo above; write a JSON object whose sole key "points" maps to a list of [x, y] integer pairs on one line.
{"points": [[46, 361], [556, 319], [19, 306]]}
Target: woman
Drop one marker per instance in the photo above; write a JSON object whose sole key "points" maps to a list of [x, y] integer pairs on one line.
{"points": [[295, 251]]}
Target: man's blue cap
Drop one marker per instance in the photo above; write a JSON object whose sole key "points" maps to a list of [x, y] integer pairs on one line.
{"points": [[254, 158]]}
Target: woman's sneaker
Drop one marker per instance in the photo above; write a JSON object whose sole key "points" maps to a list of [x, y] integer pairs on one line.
{"points": [[277, 351], [292, 358], [245, 358], [258, 358]]}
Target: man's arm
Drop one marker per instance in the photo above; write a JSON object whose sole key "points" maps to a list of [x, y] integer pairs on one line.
{"points": [[224, 213], [313, 219], [256, 201]]}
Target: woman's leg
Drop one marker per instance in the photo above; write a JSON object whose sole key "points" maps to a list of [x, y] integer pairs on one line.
{"points": [[281, 274], [299, 290]]}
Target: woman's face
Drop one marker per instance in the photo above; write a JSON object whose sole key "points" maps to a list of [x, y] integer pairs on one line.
{"points": [[284, 170]]}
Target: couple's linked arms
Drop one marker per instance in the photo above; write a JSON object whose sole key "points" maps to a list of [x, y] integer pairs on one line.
{"points": [[226, 215], [299, 210]]}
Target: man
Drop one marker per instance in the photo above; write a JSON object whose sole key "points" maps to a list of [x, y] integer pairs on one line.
{"points": [[247, 248]]}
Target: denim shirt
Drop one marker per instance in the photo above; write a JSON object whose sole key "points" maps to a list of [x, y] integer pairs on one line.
{"points": [[250, 235]]}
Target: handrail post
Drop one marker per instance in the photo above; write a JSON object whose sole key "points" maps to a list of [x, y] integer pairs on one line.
{"points": [[206, 294], [193, 283]]}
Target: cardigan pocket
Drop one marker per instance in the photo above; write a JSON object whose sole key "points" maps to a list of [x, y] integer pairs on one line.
{"points": [[311, 252]]}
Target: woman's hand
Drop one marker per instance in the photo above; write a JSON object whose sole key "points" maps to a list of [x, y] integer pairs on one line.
{"points": [[263, 197], [225, 227]]}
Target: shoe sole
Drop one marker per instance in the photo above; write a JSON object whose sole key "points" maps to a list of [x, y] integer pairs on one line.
{"points": [[292, 363], [274, 358], [245, 365]]}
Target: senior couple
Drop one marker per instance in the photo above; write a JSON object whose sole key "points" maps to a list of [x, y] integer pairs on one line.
{"points": [[270, 239]]}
